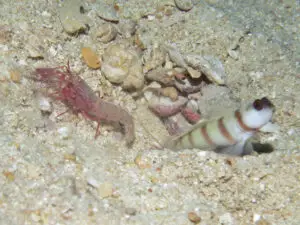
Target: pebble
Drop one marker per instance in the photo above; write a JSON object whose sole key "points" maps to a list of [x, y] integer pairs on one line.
{"points": [[193, 217], [44, 104], [233, 54], [170, 92], [184, 5], [263, 222], [193, 73], [105, 190], [160, 75], [15, 75], [64, 132], [90, 58]]}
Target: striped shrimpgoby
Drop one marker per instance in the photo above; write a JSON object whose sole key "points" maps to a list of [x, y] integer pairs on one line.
{"points": [[227, 134]]}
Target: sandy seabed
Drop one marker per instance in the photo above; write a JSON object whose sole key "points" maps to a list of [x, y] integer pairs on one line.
{"points": [[54, 172]]}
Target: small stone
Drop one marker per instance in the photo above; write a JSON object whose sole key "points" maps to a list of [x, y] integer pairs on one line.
{"points": [[170, 92], [10, 176], [64, 132], [70, 157], [5, 34], [193, 217], [233, 54], [210, 66], [184, 5], [90, 58], [15, 75], [193, 73], [130, 211], [226, 219], [139, 162], [105, 190], [262, 222]]}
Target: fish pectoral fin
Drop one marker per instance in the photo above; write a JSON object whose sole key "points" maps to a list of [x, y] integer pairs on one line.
{"points": [[239, 149]]}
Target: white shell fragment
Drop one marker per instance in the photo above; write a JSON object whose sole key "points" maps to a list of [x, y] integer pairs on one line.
{"points": [[44, 104], [64, 132], [210, 66]]}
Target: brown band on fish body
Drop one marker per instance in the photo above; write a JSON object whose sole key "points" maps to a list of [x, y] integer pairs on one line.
{"points": [[224, 131], [206, 136], [238, 116]]}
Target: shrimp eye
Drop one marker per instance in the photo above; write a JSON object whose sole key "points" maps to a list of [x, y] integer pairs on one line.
{"points": [[258, 104]]}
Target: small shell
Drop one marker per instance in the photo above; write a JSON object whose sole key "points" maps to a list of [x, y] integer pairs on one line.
{"points": [[210, 66], [106, 33], [193, 73], [184, 5], [107, 12], [90, 58]]}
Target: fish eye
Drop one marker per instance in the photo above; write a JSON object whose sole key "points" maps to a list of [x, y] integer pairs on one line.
{"points": [[258, 104]]}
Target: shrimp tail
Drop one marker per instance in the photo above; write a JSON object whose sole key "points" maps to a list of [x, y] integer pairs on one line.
{"points": [[109, 112]]}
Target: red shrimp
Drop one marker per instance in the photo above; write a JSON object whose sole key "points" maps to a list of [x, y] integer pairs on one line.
{"points": [[74, 92]]}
